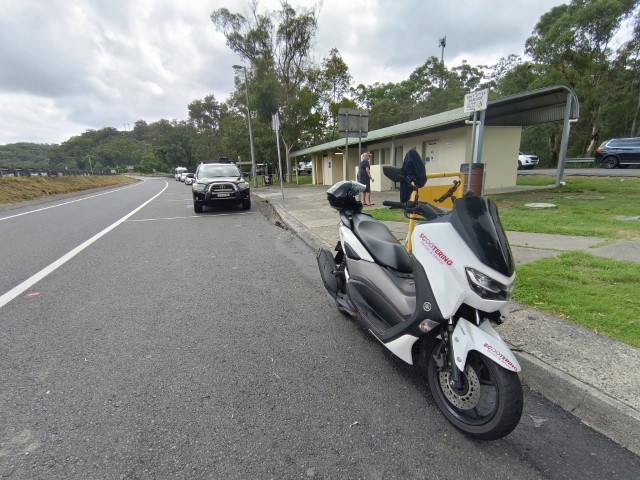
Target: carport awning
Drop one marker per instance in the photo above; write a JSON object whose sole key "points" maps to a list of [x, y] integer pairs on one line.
{"points": [[528, 108], [531, 108]]}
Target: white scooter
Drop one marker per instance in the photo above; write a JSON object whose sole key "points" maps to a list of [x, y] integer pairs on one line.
{"points": [[435, 306]]}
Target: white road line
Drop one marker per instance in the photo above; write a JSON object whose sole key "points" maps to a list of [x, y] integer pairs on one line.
{"points": [[194, 216], [72, 201], [28, 283]]}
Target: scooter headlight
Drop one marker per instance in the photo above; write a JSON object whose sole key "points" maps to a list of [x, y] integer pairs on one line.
{"points": [[488, 288]]}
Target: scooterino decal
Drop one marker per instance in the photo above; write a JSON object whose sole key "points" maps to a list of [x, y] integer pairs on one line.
{"points": [[495, 353], [434, 250]]}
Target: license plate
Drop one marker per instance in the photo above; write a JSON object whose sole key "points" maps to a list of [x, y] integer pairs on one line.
{"points": [[223, 195]]}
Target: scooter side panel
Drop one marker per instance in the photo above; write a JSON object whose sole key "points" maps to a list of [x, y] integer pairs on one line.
{"points": [[380, 287], [439, 251], [445, 257], [401, 347], [347, 236]]}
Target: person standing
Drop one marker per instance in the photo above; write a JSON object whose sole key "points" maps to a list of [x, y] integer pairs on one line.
{"points": [[364, 177]]}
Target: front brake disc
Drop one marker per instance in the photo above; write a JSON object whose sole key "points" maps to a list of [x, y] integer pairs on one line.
{"points": [[468, 396]]}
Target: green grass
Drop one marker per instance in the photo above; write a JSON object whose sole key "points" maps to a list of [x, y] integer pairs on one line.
{"points": [[20, 189], [585, 207], [598, 293], [299, 180]]}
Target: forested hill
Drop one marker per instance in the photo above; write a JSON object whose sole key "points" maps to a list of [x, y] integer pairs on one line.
{"points": [[25, 155]]}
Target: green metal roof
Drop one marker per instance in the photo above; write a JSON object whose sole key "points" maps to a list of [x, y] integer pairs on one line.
{"points": [[533, 107], [527, 108], [414, 126]]}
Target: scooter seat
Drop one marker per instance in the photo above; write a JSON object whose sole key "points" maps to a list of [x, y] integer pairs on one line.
{"points": [[385, 249]]}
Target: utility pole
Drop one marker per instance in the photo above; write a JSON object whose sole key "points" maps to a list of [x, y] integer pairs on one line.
{"points": [[275, 123], [246, 87], [442, 44]]}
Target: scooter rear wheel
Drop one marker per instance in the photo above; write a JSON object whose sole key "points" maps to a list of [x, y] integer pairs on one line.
{"points": [[489, 404]]}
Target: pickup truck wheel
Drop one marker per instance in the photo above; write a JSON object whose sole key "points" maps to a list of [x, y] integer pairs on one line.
{"points": [[197, 207], [246, 204]]}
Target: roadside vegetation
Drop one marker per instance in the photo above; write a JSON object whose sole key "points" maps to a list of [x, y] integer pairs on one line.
{"points": [[20, 189], [585, 206], [598, 293], [296, 180]]}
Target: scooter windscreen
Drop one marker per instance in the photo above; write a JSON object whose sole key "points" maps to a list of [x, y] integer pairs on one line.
{"points": [[476, 220]]}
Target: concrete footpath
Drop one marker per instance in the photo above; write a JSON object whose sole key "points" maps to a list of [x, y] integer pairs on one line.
{"points": [[593, 377]]}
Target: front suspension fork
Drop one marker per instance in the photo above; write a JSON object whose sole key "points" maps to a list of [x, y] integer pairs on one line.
{"points": [[456, 375]]}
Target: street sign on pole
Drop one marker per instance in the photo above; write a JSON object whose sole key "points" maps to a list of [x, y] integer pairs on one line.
{"points": [[476, 101], [353, 122]]}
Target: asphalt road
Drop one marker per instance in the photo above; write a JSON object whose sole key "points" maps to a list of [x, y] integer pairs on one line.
{"points": [[39, 233], [177, 345]]}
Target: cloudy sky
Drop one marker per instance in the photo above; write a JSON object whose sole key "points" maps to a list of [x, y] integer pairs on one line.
{"points": [[71, 65]]}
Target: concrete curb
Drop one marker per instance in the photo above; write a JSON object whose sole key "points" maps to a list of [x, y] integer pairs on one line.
{"points": [[601, 412], [298, 228]]}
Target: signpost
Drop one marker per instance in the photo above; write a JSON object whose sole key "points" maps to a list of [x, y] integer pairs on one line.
{"points": [[275, 124], [476, 101], [352, 122], [473, 103]]}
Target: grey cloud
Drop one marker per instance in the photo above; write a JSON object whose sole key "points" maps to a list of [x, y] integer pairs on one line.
{"points": [[77, 64]]}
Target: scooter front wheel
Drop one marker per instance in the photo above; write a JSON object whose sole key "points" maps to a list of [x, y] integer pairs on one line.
{"points": [[489, 404]]}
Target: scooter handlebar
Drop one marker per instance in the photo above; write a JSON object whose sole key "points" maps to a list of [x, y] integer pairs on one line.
{"points": [[424, 209], [389, 203], [448, 193]]}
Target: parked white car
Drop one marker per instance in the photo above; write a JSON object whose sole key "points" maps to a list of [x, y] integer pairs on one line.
{"points": [[304, 167], [189, 178], [526, 161], [177, 172]]}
